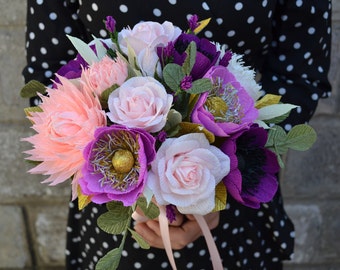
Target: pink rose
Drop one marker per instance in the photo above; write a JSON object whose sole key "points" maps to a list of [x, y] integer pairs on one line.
{"points": [[140, 102], [144, 38], [185, 173], [103, 74]]}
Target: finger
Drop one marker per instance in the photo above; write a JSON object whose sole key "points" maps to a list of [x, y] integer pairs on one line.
{"points": [[149, 235]]}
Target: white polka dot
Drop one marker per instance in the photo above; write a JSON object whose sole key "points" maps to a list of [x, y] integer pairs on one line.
{"points": [[311, 30], [325, 15], [231, 33], [284, 17], [41, 26], [208, 34], [40, 2], [53, 16], [297, 45], [124, 253], [55, 41], [94, 7], [241, 43], [173, 2], [44, 65], [282, 91], [299, 3], [157, 12], [219, 21], [298, 24], [307, 55], [189, 265], [257, 30], [31, 35], [103, 33], [177, 254], [150, 256], [250, 20], [123, 8], [288, 127], [238, 6], [43, 50], [67, 29], [164, 264], [202, 252], [105, 245], [224, 244], [137, 265], [315, 96], [320, 69], [290, 68], [282, 38], [282, 57], [257, 254], [205, 6], [284, 245], [264, 3]]}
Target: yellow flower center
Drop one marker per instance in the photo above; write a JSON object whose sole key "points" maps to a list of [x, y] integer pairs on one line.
{"points": [[217, 106], [123, 161]]}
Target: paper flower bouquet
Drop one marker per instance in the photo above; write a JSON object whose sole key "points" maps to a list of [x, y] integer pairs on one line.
{"points": [[156, 117]]}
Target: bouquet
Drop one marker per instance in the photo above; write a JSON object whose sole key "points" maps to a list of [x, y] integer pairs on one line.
{"points": [[158, 118]]}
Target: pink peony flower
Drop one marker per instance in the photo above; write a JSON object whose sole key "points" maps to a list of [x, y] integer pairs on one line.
{"points": [[65, 126], [185, 173], [144, 38], [140, 102], [103, 74], [116, 165]]}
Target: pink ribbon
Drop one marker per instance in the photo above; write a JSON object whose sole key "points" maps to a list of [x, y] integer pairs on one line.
{"points": [[164, 228]]}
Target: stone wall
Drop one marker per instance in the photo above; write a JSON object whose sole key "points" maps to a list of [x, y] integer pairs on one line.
{"points": [[33, 216]]}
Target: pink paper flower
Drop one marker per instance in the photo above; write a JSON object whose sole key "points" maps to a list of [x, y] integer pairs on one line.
{"points": [[185, 173], [103, 74], [116, 165], [65, 126], [140, 102]]}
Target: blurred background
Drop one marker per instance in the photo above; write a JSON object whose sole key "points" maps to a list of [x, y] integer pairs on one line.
{"points": [[33, 216]]}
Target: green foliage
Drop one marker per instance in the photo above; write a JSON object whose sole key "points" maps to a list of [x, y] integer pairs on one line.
{"points": [[32, 88], [300, 137], [150, 210], [116, 220]]}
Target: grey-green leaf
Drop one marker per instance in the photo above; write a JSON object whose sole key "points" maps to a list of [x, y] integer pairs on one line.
{"points": [[173, 75], [139, 239], [32, 88], [110, 261], [150, 210], [190, 59], [301, 137], [199, 86]]}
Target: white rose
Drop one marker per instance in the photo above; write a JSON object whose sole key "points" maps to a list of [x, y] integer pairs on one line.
{"points": [[140, 102], [147, 36], [185, 173]]}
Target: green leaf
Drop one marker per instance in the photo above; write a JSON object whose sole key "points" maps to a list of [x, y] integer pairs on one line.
{"points": [[104, 97], [190, 59], [110, 261], [116, 220], [199, 86], [139, 239], [173, 75], [301, 137], [32, 88], [150, 210], [100, 48], [276, 140], [278, 119], [84, 50]]}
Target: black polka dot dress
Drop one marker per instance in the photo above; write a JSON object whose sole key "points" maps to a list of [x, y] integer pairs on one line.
{"points": [[286, 41]]}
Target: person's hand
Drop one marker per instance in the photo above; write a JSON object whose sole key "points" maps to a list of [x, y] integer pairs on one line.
{"points": [[180, 235]]}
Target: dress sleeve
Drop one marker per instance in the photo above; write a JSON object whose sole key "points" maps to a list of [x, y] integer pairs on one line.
{"points": [[299, 58], [47, 46]]}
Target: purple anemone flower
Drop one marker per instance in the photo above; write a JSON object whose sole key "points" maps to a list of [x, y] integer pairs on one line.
{"points": [[227, 109], [116, 164], [252, 179]]}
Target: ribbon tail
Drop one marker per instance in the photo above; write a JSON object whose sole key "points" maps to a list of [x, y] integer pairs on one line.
{"points": [[164, 228], [214, 254]]}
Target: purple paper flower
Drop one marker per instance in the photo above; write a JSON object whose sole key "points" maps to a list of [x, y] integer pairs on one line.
{"points": [[110, 24], [228, 108], [193, 22], [116, 164], [253, 168], [206, 56]]}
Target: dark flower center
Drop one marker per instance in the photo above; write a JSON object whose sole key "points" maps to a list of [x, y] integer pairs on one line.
{"points": [[251, 160]]}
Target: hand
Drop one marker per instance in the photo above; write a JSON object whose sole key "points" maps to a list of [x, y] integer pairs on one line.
{"points": [[180, 235]]}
